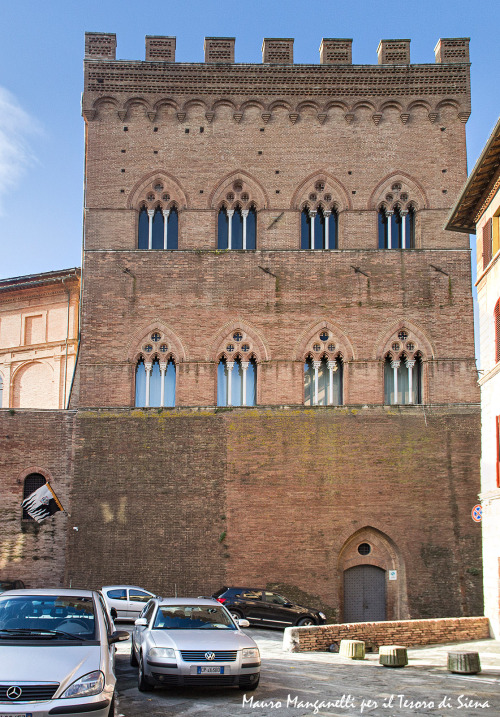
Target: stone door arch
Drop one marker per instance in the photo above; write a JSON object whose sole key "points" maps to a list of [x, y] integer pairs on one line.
{"points": [[379, 575]]}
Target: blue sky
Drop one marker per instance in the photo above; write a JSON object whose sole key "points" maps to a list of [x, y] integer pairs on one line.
{"points": [[41, 79]]}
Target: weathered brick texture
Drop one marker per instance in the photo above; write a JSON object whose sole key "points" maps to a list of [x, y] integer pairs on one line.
{"points": [[409, 633]]}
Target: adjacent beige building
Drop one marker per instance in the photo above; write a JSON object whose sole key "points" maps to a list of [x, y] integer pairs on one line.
{"points": [[38, 338], [477, 211]]}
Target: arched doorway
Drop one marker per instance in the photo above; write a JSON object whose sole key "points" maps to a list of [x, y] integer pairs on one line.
{"points": [[372, 578], [364, 594]]}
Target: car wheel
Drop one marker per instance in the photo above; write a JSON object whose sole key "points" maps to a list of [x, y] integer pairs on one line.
{"points": [[112, 712], [250, 688], [236, 615], [303, 622], [133, 658], [142, 682]]}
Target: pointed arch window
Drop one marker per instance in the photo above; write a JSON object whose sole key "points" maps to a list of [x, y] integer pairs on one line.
{"points": [[155, 383], [318, 229], [323, 382], [236, 228], [158, 228], [402, 380], [396, 228], [237, 382]]}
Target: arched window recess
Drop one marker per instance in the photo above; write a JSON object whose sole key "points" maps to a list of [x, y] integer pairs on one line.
{"points": [[396, 227], [158, 227], [237, 381], [319, 228], [402, 379], [323, 380], [237, 228]]}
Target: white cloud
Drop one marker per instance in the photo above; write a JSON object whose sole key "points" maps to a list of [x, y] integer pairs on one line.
{"points": [[16, 126]]}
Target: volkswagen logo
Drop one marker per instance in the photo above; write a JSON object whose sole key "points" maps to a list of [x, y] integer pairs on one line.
{"points": [[14, 692], [208, 656]]}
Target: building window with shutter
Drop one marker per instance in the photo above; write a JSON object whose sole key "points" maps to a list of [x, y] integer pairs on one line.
{"points": [[498, 450], [496, 318], [487, 244]]}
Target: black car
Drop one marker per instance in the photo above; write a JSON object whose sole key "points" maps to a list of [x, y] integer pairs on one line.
{"points": [[266, 608], [11, 585]]}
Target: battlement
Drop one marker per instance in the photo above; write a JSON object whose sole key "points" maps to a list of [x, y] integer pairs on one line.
{"points": [[278, 50]]}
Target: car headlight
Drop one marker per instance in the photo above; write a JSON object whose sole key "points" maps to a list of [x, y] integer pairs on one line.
{"points": [[161, 652], [250, 652], [86, 686], [322, 615]]}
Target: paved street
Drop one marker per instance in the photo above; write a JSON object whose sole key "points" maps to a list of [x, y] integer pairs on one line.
{"points": [[296, 685]]}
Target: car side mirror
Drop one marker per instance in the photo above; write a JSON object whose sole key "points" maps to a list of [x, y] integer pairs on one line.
{"points": [[118, 636], [243, 623], [141, 622], [289, 604]]}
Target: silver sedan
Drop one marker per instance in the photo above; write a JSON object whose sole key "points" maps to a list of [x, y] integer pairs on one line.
{"points": [[188, 641], [57, 654]]}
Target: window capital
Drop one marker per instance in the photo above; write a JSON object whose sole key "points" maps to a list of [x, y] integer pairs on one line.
{"points": [[410, 364], [395, 364], [230, 365]]}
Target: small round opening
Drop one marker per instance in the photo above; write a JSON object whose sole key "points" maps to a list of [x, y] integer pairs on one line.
{"points": [[364, 549]]}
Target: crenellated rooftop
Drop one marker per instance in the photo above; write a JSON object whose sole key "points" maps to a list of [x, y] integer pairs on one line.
{"points": [[159, 78]]}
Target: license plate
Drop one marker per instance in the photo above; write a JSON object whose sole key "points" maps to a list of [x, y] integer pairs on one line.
{"points": [[209, 670], [16, 714]]}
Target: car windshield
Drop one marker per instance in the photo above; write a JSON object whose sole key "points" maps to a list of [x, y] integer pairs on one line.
{"points": [[48, 617], [192, 617]]}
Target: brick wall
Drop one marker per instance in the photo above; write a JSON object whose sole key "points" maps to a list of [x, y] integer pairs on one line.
{"points": [[408, 633], [34, 442]]}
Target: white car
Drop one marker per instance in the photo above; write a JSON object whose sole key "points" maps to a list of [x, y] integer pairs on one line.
{"points": [[57, 654], [125, 602], [195, 642]]}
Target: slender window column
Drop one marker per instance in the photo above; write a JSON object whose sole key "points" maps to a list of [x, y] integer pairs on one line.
{"points": [[409, 366], [395, 367], [332, 367], [151, 213], [403, 228], [163, 370], [230, 213], [244, 214], [166, 213], [149, 368], [316, 366], [244, 367], [327, 230], [230, 366], [312, 215], [389, 229]]}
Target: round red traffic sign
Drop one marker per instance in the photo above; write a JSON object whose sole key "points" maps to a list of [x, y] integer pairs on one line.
{"points": [[477, 513]]}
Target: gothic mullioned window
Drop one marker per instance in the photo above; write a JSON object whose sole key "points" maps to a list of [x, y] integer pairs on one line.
{"points": [[237, 371], [323, 372], [403, 369], [155, 373], [318, 228], [158, 221], [236, 228]]}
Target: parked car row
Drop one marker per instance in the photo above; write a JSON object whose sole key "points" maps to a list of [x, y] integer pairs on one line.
{"points": [[57, 647]]}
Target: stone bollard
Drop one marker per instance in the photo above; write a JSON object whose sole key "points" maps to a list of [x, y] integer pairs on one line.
{"points": [[465, 663], [354, 649], [393, 656]]}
